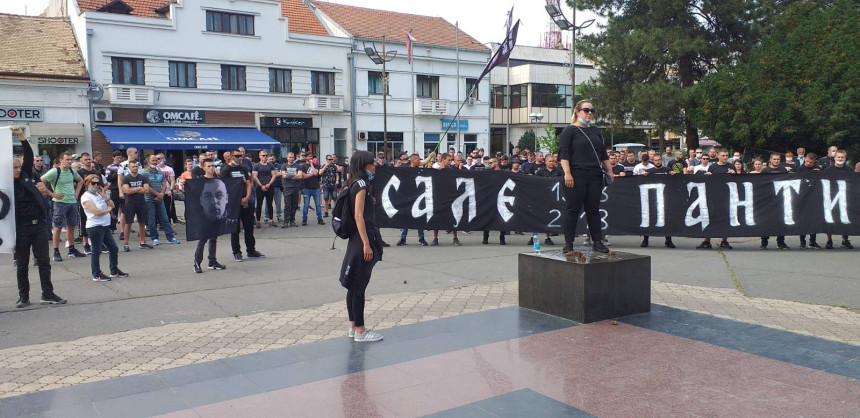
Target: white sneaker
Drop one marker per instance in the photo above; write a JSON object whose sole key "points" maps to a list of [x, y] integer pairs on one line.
{"points": [[351, 333], [155, 242], [605, 242], [368, 336]]}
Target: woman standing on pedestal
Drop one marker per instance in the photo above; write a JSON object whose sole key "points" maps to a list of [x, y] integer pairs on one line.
{"points": [[584, 161]]}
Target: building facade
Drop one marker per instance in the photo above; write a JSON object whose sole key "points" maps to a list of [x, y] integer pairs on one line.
{"points": [[43, 88], [423, 97], [187, 68], [539, 80]]}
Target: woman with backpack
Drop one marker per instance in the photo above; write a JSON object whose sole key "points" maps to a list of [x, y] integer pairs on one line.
{"points": [[365, 244]]}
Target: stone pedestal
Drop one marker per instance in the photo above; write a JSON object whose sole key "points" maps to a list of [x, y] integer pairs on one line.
{"points": [[585, 291]]}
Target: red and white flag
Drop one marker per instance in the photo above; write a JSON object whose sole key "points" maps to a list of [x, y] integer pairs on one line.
{"points": [[409, 40]]}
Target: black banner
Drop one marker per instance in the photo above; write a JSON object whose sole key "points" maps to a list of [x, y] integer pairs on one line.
{"points": [[212, 207], [684, 206]]}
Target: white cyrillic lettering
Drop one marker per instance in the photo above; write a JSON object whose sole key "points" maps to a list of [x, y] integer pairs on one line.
{"points": [[701, 203], [735, 202], [830, 202], [785, 187], [468, 195], [644, 198], [393, 183], [504, 200], [426, 198]]}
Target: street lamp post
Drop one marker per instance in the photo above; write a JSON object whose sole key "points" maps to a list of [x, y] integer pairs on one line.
{"points": [[558, 17], [378, 59], [535, 118]]}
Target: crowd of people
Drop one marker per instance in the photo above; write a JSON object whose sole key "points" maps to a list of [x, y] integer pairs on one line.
{"points": [[78, 193]]}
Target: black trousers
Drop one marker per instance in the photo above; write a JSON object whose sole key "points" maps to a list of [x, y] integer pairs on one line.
{"points": [[171, 208], [291, 203], [198, 253], [33, 236], [246, 215], [269, 195], [586, 193]]}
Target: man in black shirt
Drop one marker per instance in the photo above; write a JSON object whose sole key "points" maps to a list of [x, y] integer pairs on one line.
{"points": [[809, 165], [30, 227], [311, 189], [135, 186], [775, 166], [840, 165], [721, 167], [292, 172], [246, 214], [658, 169], [263, 177]]}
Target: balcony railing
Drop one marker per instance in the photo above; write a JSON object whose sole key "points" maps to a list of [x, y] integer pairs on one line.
{"points": [[130, 94], [320, 103], [432, 107]]}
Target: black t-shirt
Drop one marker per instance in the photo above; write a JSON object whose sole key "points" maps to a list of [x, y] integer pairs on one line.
{"points": [[369, 202], [311, 182], [618, 169], [770, 170], [844, 169], [135, 182], [197, 172], [720, 169], [237, 172], [264, 172], [543, 172], [583, 147], [291, 170], [804, 169], [659, 170], [535, 167]]}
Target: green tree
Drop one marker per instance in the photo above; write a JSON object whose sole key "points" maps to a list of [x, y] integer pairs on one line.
{"points": [[652, 53], [801, 87], [549, 141], [528, 140]]}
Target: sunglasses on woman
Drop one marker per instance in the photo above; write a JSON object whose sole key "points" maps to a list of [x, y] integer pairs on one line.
{"points": [[587, 110]]}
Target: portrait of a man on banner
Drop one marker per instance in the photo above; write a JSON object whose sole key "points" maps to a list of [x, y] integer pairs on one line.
{"points": [[212, 207]]}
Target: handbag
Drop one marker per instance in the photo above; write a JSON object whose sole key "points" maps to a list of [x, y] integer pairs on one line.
{"points": [[607, 179]]}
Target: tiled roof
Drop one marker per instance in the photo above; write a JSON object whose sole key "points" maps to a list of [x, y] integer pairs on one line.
{"points": [[301, 19], [144, 8], [373, 24], [51, 49]]}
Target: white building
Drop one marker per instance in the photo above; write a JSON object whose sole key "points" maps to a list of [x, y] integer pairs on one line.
{"points": [[215, 64], [540, 84], [446, 62], [43, 85]]}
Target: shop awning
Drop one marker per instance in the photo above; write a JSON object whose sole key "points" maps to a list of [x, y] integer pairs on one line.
{"points": [[179, 138]]}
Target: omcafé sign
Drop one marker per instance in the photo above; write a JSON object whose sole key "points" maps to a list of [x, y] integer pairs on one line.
{"points": [[187, 117]]}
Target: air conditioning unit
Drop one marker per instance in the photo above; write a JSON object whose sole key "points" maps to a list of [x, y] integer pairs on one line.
{"points": [[103, 115], [362, 136], [470, 101]]}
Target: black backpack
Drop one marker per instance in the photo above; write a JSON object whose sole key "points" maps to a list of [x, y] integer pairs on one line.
{"points": [[343, 218]]}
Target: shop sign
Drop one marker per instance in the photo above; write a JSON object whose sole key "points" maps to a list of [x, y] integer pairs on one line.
{"points": [[464, 125], [274, 122], [21, 113], [58, 140], [188, 117]]}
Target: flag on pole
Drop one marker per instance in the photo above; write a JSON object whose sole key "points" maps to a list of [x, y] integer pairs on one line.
{"points": [[409, 40], [509, 21], [502, 53]]}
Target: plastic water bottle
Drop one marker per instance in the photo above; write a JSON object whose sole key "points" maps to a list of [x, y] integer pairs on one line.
{"points": [[536, 242]]}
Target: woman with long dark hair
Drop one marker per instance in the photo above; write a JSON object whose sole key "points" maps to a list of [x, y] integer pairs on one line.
{"points": [[584, 161], [365, 245]]}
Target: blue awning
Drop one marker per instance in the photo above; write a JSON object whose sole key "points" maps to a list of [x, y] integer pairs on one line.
{"points": [[191, 137]]}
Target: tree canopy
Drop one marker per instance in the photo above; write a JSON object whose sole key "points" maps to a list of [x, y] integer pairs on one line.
{"points": [[652, 53], [801, 87]]}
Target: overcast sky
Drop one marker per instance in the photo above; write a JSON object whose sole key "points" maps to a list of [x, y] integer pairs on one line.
{"points": [[483, 20]]}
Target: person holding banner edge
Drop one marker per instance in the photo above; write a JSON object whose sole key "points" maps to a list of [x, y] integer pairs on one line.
{"points": [[31, 227], [584, 167]]}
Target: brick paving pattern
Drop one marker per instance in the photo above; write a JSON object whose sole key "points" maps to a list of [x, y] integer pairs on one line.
{"points": [[46, 366]]}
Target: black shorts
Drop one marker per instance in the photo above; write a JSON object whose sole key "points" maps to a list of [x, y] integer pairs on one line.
{"points": [[132, 210], [117, 202]]}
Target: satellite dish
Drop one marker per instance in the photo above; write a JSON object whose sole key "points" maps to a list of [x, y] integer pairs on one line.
{"points": [[95, 92]]}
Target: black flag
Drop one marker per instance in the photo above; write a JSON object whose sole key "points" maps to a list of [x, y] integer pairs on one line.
{"points": [[502, 53]]}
